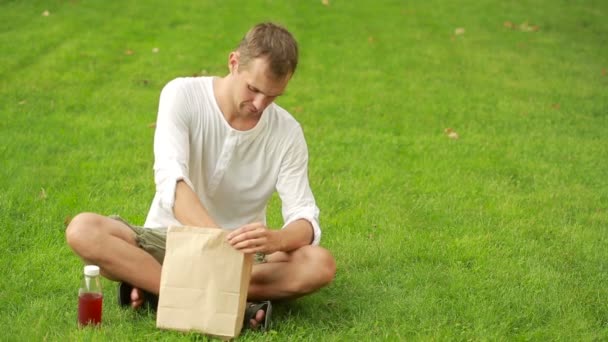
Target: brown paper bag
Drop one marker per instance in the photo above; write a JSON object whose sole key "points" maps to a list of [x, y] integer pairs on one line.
{"points": [[203, 284]]}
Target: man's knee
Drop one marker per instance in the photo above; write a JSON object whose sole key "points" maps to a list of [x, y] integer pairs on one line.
{"points": [[322, 269], [82, 232], [326, 266]]}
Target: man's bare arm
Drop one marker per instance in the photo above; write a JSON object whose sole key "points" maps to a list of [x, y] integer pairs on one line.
{"points": [[256, 237], [295, 235], [188, 209]]}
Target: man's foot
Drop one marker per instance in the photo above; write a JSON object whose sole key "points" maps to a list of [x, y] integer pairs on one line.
{"points": [[257, 316], [254, 323], [135, 298]]}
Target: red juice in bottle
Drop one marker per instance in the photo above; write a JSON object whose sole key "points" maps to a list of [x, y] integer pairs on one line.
{"points": [[90, 298], [89, 308]]}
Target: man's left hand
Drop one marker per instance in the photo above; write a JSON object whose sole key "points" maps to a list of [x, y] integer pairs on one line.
{"points": [[255, 238]]}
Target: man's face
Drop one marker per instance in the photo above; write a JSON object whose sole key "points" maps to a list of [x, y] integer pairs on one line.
{"points": [[255, 87]]}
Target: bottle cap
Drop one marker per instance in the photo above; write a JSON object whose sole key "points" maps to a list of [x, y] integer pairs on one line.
{"points": [[91, 270]]}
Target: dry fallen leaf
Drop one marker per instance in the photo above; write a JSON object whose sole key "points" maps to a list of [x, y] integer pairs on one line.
{"points": [[203, 72], [67, 220], [604, 72], [523, 27], [459, 31], [298, 109], [152, 125], [46, 13], [42, 194], [129, 52], [556, 106], [451, 133], [370, 39], [325, 2]]}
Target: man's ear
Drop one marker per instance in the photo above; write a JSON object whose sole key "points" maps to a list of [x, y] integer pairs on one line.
{"points": [[233, 62]]}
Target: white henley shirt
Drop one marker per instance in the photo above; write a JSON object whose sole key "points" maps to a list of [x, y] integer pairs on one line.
{"points": [[234, 173]]}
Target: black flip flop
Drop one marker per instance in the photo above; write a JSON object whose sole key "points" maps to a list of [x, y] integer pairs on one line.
{"points": [[124, 297], [252, 309]]}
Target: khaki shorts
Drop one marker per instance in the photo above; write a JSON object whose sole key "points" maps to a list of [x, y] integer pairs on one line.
{"points": [[154, 241]]}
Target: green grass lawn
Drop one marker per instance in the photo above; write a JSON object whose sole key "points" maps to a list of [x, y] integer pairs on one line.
{"points": [[501, 234]]}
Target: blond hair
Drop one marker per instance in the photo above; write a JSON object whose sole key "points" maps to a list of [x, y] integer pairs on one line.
{"points": [[273, 42]]}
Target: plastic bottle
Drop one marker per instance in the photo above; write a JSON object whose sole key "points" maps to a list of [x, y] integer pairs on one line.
{"points": [[90, 297]]}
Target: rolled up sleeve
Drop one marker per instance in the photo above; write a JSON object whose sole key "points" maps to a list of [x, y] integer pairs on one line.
{"points": [[171, 143], [293, 187]]}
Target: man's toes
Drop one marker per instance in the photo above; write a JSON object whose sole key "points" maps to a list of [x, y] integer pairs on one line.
{"points": [[259, 316], [136, 298], [135, 294], [257, 320]]}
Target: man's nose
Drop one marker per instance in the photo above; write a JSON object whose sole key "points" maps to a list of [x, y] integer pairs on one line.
{"points": [[259, 101]]}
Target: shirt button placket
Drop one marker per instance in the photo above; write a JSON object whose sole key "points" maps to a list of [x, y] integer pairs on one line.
{"points": [[223, 161]]}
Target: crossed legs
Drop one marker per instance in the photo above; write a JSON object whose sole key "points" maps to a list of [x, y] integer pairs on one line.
{"points": [[111, 245]]}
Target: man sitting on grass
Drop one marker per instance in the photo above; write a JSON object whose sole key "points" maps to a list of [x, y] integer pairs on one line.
{"points": [[221, 148]]}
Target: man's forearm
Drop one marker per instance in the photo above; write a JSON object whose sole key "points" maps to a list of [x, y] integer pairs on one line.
{"points": [[188, 209], [295, 235]]}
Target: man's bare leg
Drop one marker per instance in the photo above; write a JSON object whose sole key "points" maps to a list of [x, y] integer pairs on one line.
{"points": [[292, 275], [111, 245]]}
